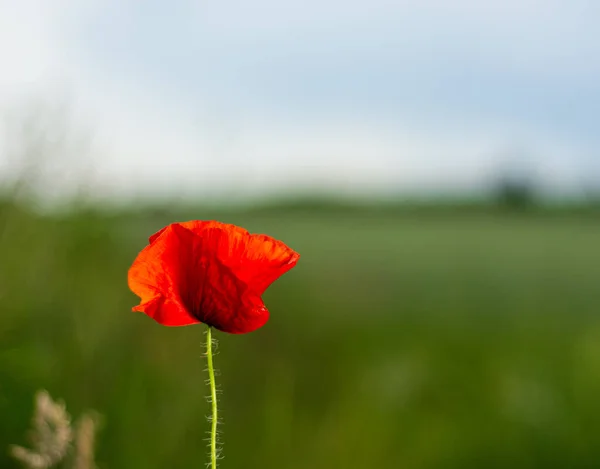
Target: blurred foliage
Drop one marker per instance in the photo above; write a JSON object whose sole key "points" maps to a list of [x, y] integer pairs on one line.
{"points": [[407, 337], [516, 193]]}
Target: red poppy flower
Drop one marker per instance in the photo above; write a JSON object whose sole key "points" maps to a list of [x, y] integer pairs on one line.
{"points": [[208, 272]]}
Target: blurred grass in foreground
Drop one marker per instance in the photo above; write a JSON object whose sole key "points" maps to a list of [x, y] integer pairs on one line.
{"points": [[403, 339]]}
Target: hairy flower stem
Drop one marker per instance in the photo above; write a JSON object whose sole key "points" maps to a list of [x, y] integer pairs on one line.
{"points": [[213, 399]]}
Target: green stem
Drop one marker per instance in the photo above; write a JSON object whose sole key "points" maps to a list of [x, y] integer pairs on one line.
{"points": [[213, 399]]}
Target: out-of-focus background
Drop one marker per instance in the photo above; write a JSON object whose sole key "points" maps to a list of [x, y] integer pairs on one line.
{"points": [[436, 163]]}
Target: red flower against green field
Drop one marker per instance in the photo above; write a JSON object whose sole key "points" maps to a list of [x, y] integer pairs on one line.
{"points": [[208, 272]]}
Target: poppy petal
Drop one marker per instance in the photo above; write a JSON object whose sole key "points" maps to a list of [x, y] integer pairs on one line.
{"points": [[256, 259], [155, 278], [196, 226], [217, 296], [262, 260], [227, 303]]}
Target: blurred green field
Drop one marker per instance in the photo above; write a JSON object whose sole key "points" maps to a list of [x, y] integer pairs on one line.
{"points": [[401, 340]]}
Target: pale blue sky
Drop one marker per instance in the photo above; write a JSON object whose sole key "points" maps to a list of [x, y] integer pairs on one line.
{"points": [[236, 97]]}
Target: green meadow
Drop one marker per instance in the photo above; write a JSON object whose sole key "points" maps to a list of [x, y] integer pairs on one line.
{"points": [[405, 338]]}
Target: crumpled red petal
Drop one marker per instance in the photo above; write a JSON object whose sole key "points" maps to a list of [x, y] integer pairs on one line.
{"points": [[157, 280]]}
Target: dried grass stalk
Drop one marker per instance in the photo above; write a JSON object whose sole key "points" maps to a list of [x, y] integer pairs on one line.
{"points": [[51, 435]]}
